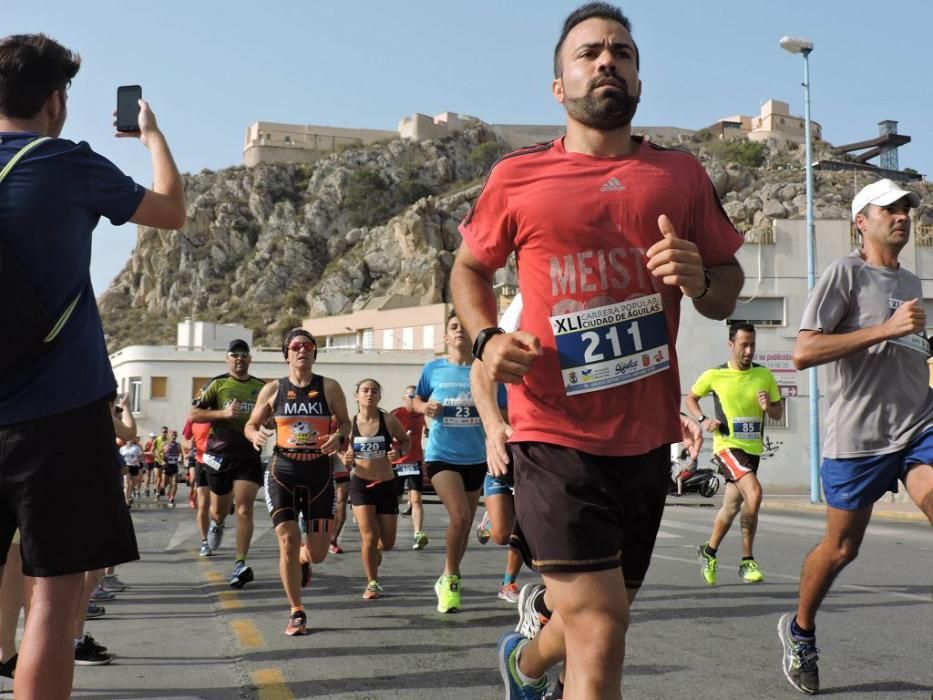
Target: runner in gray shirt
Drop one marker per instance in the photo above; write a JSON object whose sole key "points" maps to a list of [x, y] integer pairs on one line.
{"points": [[865, 322]]}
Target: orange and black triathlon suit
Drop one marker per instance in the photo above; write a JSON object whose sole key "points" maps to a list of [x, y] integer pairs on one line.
{"points": [[300, 477]]}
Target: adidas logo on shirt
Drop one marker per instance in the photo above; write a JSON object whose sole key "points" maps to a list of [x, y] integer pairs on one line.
{"points": [[612, 185]]}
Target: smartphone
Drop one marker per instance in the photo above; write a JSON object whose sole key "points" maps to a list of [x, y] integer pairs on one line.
{"points": [[128, 97]]}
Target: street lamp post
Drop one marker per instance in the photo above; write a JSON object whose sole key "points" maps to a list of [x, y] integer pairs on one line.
{"points": [[804, 47]]}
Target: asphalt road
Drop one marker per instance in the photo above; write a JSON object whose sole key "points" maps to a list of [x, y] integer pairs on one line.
{"points": [[180, 632]]}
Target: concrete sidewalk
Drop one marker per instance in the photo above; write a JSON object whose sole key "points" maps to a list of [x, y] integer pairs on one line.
{"points": [[901, 509]]}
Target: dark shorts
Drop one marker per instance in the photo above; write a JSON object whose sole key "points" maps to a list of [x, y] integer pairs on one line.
{"points": [[408, 480], [134, 470], [734, 463], [200, 475], [233, 469], [170, 469], [301, 487], [381, 494], [577, 512], [67, 503], [473, 475]]}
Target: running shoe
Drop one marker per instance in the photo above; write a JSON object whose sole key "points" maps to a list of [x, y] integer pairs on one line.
{"points": [[484, 529], [372, 591], [447, 589], [147, 493], [215, 535], [556, 691], [335, 548], [6, 673], [171, 503], [241, 575], [507, 651], [709, 564], [94, 611], [90, 654], [508, 592], [112, 583], [297, 624], [421, 540], [530, 621], [750, 572], [305, 574], [800, 657], [101, 594], [90, 641], [205, 550]]}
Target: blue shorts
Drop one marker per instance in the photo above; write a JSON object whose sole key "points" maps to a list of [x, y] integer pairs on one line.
{"points": [[498, 485], [853, 484]]}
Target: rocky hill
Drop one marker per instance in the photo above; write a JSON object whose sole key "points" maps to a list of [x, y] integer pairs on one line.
{"points": [[271, 245]]}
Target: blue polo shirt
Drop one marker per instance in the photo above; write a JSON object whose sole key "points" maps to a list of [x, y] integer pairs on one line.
{"points": [[49, 205], [457, 435]]}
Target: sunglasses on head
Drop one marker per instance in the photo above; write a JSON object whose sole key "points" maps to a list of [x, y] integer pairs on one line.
{"points": [[305, 345]]}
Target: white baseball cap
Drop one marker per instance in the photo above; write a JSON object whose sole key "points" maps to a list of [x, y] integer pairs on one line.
{"points": [[882, 193]]}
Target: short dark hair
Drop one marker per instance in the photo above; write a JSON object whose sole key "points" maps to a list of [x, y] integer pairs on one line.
{"points": [[367, 379], [32, 67], [294, 333], [597, 10], [452, 314], [740, 326]]}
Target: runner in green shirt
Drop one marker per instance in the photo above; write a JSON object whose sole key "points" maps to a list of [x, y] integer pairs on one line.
{"points": [[743, 393]]}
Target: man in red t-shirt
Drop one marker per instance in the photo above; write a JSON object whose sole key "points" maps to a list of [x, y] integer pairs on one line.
{"points": [[197, 434], [610, 232], [408, 466]]}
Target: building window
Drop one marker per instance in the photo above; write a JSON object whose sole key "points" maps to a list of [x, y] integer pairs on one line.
{"points": [[346, 341], [760, 311], [158, 387], [367, 338], [136, 390], [288, 139], [428, 343], [408, 338], [781, 424], [388, 339], [198, 383]]}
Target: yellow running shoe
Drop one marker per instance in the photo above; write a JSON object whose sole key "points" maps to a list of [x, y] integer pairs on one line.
{"points": [[708, 564], [750, 572], [448, 593]]}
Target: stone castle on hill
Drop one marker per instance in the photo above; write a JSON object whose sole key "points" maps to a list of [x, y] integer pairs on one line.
{"points": [[272, 142]]}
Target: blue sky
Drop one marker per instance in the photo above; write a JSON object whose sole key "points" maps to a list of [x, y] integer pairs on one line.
{"points": [[210, 69]]}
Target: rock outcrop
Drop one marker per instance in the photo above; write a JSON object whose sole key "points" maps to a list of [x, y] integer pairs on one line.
{"points": [[270, 245]]}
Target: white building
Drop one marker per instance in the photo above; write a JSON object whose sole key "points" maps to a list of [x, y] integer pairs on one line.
{"points": [[163, 379]]}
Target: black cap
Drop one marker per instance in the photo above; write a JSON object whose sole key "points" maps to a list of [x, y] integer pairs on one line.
{"points": [[238, 345]]}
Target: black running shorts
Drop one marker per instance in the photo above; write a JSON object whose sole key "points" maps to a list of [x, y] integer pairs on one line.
{"points": [[233, 469], [200, 475], [473, 475], [67, 503], [300, 487], [381, 494], [580, 512]]}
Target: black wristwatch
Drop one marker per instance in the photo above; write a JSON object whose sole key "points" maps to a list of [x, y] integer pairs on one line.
{"points": [[708, 280], [482, 338], [702, 419]]}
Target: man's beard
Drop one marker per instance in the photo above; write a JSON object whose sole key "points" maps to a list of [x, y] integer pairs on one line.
{"points": [[608, 112]]}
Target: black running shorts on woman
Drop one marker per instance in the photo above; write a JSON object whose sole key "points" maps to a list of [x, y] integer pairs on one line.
{"points": [[580, 512]]}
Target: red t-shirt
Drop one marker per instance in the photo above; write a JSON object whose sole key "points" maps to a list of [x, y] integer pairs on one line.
{"points": [[607, 382], [414, 424], [199, 432]]}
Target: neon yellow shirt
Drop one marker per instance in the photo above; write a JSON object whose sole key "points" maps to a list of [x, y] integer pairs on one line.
{"points": [[735, 395]]}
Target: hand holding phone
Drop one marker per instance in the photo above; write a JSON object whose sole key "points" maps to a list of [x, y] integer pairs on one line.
{"points": [[128, 97]]}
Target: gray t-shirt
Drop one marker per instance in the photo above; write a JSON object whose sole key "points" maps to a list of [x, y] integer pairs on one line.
{"points": [[878, 399]]}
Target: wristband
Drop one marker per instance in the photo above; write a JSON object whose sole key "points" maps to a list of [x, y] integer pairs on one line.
{"points": [[482, 338], [708, 280]]}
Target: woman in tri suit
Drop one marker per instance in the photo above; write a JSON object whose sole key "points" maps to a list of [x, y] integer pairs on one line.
{"points": [[377, 438], [311, 423]]}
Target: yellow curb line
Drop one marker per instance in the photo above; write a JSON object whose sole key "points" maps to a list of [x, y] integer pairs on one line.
{"points": [[271, 684]]}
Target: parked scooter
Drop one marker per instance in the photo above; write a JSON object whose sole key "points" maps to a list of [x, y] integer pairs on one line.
{"points": [[705, 482]]}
